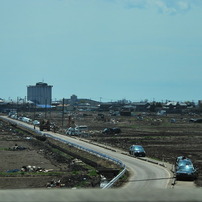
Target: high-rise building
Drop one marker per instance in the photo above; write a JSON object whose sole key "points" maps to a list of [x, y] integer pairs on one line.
{"points": [[73, 100], [41, 93]]}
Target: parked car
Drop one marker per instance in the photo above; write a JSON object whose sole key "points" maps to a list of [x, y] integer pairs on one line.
{"points": [[182, 161], [186, 172], [185, 169], [111, 131], [82, 128], [70, 131], [195, 120], [36, 122], [78, 130], [116, 130], [137, 150]]}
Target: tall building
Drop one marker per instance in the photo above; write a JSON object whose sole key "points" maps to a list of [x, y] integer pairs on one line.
{"points": [[73, 100], [41, 93]]}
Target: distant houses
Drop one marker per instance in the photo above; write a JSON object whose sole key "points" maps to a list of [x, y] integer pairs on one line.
{"points": [[120, 107]]}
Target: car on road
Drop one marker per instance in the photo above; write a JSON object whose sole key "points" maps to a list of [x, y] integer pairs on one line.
{"points": [[137, 150], [36, 122]]}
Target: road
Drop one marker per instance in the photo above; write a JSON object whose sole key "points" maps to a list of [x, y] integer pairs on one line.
{"points": [[148, 182], [143, 174]]}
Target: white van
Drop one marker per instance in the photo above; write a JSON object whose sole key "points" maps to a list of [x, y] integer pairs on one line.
{"points": [[78, 130], [82, 128]]}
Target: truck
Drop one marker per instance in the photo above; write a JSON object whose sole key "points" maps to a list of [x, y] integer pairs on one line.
{"points": [[44, 124]]}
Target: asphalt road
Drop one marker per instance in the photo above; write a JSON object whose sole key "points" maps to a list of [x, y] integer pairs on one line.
{"points": [[143, 174], [148, 182]]}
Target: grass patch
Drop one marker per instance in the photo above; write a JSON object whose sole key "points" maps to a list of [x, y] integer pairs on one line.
{"points": [[92, 173], [4, 149], [20, 173]]}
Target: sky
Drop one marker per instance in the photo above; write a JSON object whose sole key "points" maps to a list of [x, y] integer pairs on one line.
{"points": [[105, 50]]}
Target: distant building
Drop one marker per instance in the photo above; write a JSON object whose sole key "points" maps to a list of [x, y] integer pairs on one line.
{"points": [[200, 103], [40, 94], [73, 100], [141, 106]]}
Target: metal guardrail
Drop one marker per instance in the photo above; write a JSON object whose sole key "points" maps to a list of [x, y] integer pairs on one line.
{"points": [[104, 156]]}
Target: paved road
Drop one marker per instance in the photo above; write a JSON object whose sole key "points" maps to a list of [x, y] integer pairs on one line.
{"points": [[143, 174]]}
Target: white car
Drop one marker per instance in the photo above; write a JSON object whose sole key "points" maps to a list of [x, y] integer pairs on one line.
{"points": [[78, 130], [70, 131], [36, 123]]}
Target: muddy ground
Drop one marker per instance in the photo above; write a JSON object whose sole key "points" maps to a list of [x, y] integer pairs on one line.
{"points": [[163, 137], [32, 161]]}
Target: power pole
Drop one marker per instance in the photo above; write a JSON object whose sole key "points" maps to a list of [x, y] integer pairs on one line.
{"points": [[63, 103]]}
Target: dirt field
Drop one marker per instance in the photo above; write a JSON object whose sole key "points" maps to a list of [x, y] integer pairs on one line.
{"points": [[29, 161], [163, 137]]}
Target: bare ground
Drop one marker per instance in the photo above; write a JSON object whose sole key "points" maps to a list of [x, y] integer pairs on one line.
{"points": [[51, 162], [162, 139]]}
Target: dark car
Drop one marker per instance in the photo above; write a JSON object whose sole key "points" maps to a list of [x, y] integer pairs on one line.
{"points": [[116, 130], [182, 160], [195, 120], [186, 172], [137, 150], [185, 169], [111, 131]]}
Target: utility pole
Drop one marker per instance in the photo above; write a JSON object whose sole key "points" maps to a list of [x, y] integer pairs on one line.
{"points": [[63, 102], [17, 106], [45, 107]]}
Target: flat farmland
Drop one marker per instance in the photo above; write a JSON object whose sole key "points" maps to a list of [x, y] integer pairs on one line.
{"points": [[32, 161], [163, 137]]}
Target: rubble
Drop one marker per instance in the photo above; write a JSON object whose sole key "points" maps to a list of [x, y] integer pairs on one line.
{"points": [[34, 169], [55, 183], [16, 147]]}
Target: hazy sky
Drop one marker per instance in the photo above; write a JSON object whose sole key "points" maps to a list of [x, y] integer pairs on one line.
{"points": [[102, 49]]}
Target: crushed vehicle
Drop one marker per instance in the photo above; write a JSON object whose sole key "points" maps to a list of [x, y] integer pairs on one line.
{"points": [[36, 122], [182, 160], [70, 131], [137, 150], [26, 119], [78, 130], [16, 147], [44, 124], [195, 120], [54, 127], [184, 169], [111, 131]]}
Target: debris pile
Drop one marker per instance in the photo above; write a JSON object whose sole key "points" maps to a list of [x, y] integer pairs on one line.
{"points": [[17, 148], [55, 183], [33, 169]]}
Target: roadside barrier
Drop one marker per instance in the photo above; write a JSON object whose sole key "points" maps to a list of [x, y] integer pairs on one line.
{"points": [[104, 156]]}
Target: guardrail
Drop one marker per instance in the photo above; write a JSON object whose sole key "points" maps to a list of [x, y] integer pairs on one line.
{"points": [[104, 156]]}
